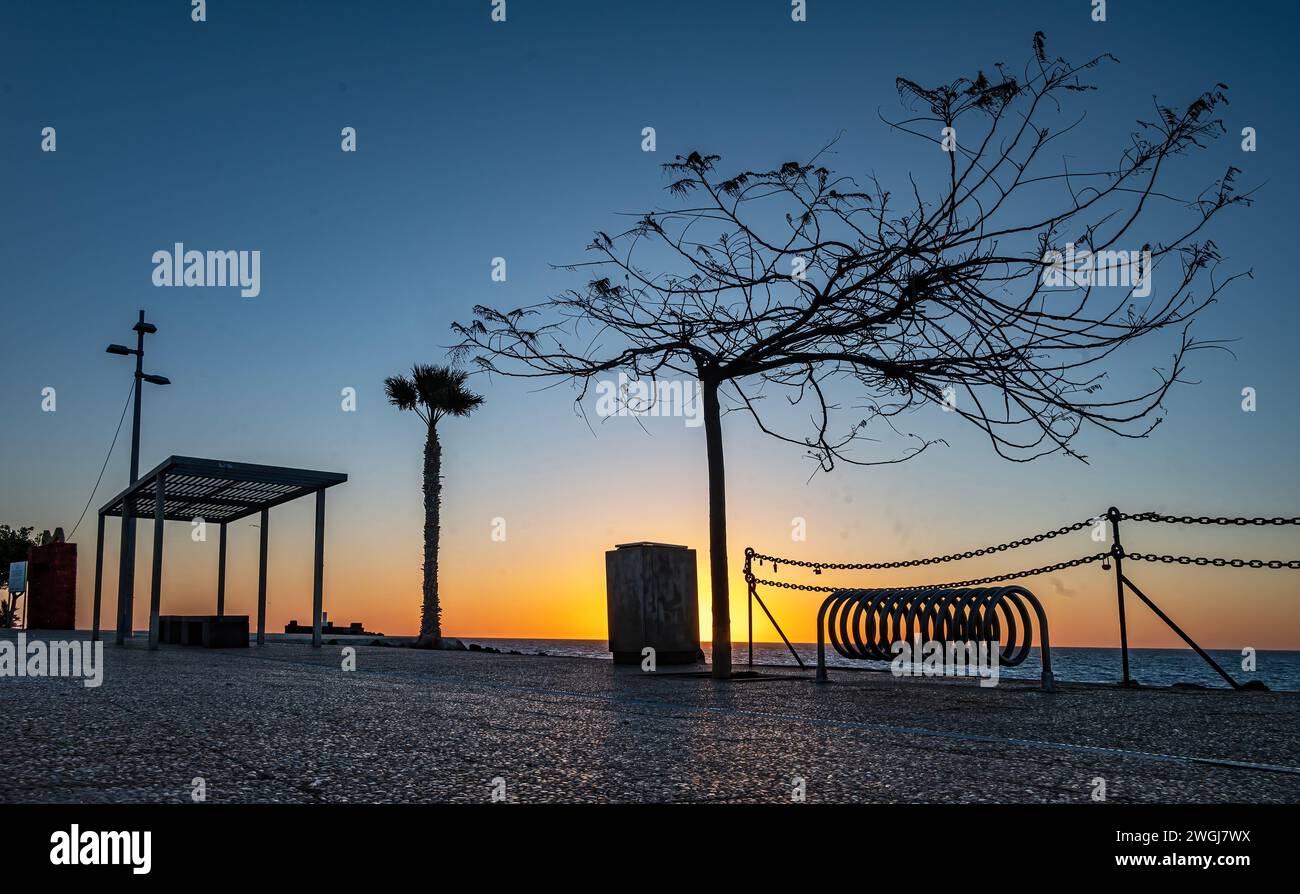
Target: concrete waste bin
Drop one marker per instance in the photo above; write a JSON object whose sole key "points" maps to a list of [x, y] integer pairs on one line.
{"points": [[653, 601]]}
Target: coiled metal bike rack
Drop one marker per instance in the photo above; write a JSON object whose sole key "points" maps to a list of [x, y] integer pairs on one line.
{"points": [[864, 624]]}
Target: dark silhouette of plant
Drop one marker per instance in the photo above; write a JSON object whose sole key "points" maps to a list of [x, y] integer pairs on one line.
{"points": [[432, 392], [14, 543], [798, 281]]}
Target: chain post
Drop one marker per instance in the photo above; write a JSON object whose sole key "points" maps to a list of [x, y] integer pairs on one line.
{"points": [[749, 579], [1117, 553]]}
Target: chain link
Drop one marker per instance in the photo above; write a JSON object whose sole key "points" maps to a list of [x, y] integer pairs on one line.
{"points": [[1204, 519], [1217, 563], [913, 563]]}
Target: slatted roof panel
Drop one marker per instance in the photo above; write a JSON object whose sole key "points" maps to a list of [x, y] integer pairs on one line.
{"points": [[216, 490]]}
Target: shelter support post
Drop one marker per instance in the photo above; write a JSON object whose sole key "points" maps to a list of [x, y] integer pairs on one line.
{"points": [[125, 573], [99, 578], [221, 573], [261, 579], [318, 566], [155, 587]]}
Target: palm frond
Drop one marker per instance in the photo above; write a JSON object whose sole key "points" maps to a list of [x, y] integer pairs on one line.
{"points": [[401, 392], [441, 390]]}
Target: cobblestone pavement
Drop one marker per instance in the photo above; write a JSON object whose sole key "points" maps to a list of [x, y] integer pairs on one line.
{"points": [[285, 723]]}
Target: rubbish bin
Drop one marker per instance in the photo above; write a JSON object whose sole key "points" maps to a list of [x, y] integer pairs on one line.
{"points": [[653, 601]]}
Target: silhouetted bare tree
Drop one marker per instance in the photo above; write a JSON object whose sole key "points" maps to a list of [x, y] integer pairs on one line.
{"points": [[1004, 297]]}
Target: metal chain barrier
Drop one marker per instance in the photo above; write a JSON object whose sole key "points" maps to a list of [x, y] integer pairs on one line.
{"points": [[1204, 519], [818, 567], [951, 585], [1116, 552], [1209, 520], [1217, 563], [912, 563]]}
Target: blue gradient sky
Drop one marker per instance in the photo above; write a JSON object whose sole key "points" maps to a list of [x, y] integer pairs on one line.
{"points": [[519, 140]]}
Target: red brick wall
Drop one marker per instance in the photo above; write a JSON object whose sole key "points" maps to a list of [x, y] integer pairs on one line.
{"points": [[51, 600]]}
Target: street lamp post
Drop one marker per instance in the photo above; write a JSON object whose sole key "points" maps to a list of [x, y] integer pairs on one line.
{"points": [[126, 565]]}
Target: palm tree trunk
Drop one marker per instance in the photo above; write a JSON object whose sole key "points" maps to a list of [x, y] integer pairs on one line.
{"points": [[717, 533], [431, 611]]}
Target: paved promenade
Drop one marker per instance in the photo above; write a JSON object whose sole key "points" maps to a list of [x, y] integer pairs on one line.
{"points": [[284, 723]]}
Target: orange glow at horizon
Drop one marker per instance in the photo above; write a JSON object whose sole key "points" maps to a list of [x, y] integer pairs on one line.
{"points": [[547, 584], [565, 502]]}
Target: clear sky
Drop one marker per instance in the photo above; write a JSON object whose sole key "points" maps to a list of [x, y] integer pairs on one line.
{"points": [[477, 140]]}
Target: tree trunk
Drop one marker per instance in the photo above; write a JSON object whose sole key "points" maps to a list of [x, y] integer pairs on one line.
{"points": [[431, 611], [717, 533]]}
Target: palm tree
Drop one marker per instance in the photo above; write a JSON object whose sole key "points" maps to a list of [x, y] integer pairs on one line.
{"points": [[432, 392]]}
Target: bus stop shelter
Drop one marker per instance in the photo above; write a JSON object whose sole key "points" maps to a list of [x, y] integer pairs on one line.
{"points": [[185, 488]]}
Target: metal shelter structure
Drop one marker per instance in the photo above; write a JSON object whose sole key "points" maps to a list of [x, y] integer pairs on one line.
{"points": [[182, 488]]}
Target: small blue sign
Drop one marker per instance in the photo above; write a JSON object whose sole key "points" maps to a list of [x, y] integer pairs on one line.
{"points": [[17, 577]]}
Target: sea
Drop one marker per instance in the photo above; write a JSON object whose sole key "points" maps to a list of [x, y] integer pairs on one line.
{"points": [[1278, 670]]}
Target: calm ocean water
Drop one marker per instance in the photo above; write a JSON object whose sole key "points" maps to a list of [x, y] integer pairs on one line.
{"points": [[1152, 667]]}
